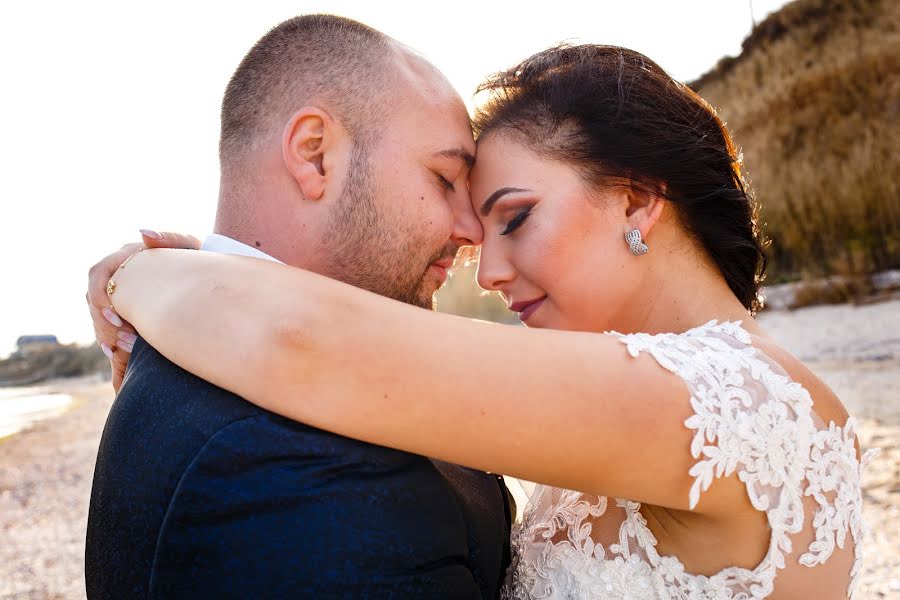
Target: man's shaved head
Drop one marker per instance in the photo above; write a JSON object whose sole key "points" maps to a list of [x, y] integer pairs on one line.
{"points": [[346, 153], [338, 61]]}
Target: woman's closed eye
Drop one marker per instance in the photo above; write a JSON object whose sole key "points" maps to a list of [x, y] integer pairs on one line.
{"points": [[517, 221]]}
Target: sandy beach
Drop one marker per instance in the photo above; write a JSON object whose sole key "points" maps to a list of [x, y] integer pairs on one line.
{"points": [[46, 470], [45, 487]]}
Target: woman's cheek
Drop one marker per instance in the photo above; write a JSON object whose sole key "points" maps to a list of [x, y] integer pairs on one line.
{"points": [[555, 251]]}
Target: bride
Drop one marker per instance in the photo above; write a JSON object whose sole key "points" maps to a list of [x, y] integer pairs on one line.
{"points": [[681, 454]]}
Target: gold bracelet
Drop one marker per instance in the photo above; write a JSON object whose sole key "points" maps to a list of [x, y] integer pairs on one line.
{"points": [[111, 284]]}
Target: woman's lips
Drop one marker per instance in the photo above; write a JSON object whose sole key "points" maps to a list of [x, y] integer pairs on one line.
{"points": [[526, 308]]}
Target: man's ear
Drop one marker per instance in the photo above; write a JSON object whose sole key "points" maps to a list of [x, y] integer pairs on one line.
{"points": [[644, 208], [308, 137]]}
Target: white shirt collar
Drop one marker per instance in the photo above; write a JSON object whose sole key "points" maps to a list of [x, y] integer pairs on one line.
{"points": [[225, 245]]}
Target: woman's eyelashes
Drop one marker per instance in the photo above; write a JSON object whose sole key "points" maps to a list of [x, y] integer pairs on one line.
{"points": [[516, 221]]}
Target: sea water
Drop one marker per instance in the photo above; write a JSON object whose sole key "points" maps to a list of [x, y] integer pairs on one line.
{"points": [[21, 407]]}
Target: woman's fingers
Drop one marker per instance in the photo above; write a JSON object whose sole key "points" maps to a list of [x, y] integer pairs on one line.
{"points": [[115, 335], [104, 331], [126, 337], [153, 239], [119, 363], [107, 332], [115, 342], [108, 325]]}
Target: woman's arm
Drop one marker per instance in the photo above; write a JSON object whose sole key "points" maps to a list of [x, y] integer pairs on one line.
{"points": [[564, 408], [115, 336]]}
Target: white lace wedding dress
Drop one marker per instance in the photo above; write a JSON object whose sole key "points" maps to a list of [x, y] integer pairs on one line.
{"points": [[749, 418]]}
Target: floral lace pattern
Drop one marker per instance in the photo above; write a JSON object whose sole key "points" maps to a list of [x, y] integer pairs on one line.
{"points": [[748, 418]]}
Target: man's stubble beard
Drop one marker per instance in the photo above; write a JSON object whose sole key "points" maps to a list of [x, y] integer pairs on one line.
{"points": [[372, 252]]}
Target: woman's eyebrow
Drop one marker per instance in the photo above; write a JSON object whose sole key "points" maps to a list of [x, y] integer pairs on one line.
{"points": [[492, 199]]}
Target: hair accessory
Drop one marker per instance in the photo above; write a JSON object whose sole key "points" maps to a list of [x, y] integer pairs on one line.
{"points": [[638, 247]]}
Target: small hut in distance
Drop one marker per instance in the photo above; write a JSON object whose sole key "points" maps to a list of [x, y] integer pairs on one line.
{"points": [[29, 344]]}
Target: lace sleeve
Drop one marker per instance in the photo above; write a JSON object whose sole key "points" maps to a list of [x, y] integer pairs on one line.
{"points": [[751, 419]]}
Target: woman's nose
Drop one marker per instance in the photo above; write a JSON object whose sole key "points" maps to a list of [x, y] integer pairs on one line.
{"points": [[494, 270]]}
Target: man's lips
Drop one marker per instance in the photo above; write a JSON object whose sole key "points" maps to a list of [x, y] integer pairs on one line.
{"points": [[442, 266], [526, 308]]}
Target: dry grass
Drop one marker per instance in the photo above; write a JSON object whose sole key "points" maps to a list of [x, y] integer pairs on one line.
{"points": [[814, 101], [832, 290]]}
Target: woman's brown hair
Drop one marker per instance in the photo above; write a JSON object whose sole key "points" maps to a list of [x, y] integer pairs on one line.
{"points": [[613, 112]]}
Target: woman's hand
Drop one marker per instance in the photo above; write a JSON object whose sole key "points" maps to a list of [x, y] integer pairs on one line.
{"points": [[115, 335]]}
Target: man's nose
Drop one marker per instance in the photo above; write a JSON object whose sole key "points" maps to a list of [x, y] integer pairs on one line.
{"points": [[466, 226]]}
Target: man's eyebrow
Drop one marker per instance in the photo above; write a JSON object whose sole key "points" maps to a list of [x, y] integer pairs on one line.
{"points": [[492, 199], [460, 153]]}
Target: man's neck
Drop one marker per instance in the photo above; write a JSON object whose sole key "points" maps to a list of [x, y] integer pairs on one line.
{"points": [[267, 212], [296, 251], [226, 245]]}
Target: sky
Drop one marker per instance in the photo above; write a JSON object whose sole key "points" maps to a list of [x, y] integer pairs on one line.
{"points": [[109, 111]]}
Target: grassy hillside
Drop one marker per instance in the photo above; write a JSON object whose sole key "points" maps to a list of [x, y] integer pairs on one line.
{"points": [[814, 102]]}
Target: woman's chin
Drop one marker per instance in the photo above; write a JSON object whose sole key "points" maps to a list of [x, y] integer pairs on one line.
{"points": [[536, 321], [555, 321]]}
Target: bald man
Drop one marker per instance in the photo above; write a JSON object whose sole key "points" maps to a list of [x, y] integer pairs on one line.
{"points": [[345, 153]]}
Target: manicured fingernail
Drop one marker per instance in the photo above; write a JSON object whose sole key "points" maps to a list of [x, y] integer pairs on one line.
{"points": [[106, 350], [110, 315], [127, 337], [125, 346], [151, 234]]}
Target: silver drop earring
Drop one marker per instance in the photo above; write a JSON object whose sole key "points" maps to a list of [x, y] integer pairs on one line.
{"points": [[638, 247]]}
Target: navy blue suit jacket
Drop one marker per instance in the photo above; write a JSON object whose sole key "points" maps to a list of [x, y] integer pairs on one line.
{"points": [[200, 494]]}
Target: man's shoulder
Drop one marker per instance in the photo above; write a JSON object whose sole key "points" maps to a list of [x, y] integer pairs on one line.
{"points": [[157, 390], [185, 469], [160, 402]]}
